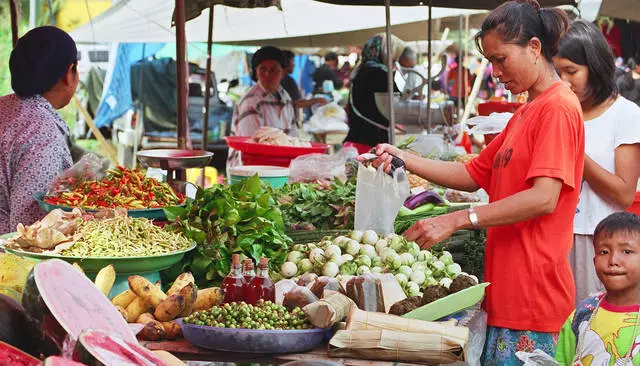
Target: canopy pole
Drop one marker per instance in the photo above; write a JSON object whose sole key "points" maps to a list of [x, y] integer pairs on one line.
{"points": [[13, 9], [392, 116], [429, 58], [182, 82], [207, 91]]}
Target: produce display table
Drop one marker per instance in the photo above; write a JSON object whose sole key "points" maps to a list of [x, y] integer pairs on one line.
{"points": [[188, 352]]}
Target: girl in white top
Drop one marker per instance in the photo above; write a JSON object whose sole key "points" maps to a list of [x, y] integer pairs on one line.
{"points": [[612, 143]]}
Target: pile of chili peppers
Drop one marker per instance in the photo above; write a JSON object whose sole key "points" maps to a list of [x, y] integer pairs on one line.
{"points": [[120, 187]]}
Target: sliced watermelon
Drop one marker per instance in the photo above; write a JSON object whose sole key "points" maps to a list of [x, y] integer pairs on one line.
{"points": [[13, 325], [60, 302], [61, 361], [95, 347], [10, 355]]}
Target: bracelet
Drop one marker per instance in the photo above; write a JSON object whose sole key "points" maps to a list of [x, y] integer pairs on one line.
{"points": [[473, 217]]}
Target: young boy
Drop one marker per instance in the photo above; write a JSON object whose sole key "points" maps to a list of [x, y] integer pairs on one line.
{"points": [[604, 330]]}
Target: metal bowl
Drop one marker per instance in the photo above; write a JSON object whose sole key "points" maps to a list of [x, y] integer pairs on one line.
{"points": [[253, 340], [172, 159]]}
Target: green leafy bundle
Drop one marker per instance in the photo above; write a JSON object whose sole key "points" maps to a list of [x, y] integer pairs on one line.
{"points": [[243, 218], [310, 206]]}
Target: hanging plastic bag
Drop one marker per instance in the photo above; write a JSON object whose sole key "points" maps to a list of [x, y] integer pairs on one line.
{"points": [[491, 124], [379, 196]]}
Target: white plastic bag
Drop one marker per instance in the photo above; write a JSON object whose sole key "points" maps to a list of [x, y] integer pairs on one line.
{"points": [[321, 167], [536, 358], [379, 196], [327, 118], [491, 124]]}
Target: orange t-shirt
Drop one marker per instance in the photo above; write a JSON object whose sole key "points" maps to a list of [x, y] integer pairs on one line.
{"points": [[527, 263]]}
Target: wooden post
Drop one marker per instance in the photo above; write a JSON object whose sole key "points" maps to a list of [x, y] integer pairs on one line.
{"points": [[13, 9], [207, 92]]}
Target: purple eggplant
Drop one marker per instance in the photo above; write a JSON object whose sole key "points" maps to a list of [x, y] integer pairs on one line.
{"points": [[422, 198]]}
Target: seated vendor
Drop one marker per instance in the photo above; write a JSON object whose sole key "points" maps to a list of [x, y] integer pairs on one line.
{"points": [[266, 103], [33, 136]]}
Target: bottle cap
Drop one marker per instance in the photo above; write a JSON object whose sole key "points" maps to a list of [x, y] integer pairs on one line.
{"points": [[248, 263], [235, 259]]}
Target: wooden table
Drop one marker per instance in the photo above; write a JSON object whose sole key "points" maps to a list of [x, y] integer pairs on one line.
{"points": [[184, 350]]}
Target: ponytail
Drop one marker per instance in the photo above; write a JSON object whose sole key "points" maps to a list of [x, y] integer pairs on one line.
{"points": [[520, 20]]}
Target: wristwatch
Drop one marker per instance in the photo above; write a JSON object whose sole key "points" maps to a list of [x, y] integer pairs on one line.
{"points": [[473, 217]]}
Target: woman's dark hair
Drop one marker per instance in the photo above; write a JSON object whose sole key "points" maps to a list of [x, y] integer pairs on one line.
{"points": [[626, 222], [520, 20], [585, 45]]}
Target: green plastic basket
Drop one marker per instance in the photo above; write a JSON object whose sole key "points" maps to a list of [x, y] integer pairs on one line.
{"points": [[450, 304]]}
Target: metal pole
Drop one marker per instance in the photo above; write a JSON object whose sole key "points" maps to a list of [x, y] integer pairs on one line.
{"points": [[182, 83], [429, 57], [13, 9], [392, 116], [460, 76], [32, 14], [207, 91]]}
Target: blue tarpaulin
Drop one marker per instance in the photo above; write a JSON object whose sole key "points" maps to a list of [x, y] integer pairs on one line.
{"points": [[116, 99]]}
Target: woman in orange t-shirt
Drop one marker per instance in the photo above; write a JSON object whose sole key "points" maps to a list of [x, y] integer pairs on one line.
{"points": [[532, 173]]}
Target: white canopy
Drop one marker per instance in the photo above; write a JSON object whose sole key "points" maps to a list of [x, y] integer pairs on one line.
{"points": [[301, 23]]}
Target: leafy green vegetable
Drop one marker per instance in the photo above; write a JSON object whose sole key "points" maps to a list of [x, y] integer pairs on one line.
{"points": [[310, 206], [243, 218]]}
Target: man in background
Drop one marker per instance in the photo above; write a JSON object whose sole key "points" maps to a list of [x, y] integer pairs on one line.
{"points": [[290, 85], [328, 71]]}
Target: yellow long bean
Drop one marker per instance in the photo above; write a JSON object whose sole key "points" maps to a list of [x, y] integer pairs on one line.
{"points": [[124, 237]]}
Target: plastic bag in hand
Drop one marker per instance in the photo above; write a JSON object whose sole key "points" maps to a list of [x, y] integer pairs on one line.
{"points": [[379, 196]]}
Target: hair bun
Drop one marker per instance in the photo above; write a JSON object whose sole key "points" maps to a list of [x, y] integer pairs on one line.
{"points": [[534, 3]]}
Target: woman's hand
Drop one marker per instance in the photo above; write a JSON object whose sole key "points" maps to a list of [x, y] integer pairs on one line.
{"points": [[384, 152], [429, 232]]}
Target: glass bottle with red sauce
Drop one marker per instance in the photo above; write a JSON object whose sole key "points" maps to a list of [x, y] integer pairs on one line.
{"points": [[233, 284], [261, 286], [248, 273]]}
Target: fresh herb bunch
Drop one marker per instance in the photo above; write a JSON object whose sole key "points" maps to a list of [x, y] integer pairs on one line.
{"points": [[312, 206], [243, 218]]}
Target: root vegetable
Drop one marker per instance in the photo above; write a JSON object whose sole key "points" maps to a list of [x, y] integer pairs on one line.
{"points": [[172, 330], [144, 318], [105, 279], [180, 282], [124, 298], [146, 290], [170, 308], [208, 298], [138, 306], [190, 294], [152, 331]]}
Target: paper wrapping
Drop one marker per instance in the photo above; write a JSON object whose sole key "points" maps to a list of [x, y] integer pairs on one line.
{"points": [[326, 312]]}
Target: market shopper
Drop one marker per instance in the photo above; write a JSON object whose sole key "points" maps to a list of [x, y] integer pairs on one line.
{"points": [[604, 329], [367, 126], [266, 103], [612, 143], [532, 172], [33, 136], [290, 85], [328, 71]]}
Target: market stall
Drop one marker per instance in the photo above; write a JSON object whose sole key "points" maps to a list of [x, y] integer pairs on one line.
{"points": [[275, 264]]}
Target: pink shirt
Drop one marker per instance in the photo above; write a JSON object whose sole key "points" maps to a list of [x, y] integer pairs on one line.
{"points": [[33, 151]]}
